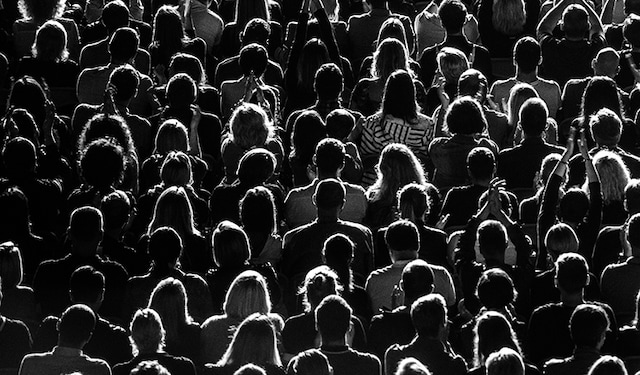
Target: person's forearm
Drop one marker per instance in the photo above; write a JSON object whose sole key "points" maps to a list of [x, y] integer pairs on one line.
{"points": [[607, 12], [551, 19], [594, 19]]}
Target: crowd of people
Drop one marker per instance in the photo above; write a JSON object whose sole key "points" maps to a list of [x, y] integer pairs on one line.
{"points": [[320, 187]]}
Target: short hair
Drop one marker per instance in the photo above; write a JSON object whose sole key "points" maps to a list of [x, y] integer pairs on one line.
{"points": [[505, 361], [608, 365], [465, 116], [150, 368], [533, 117], [333, 317], [86, 224], [171, 136], [453, 14], [429, 315], [126, 81], [250, 126], [340, 123], [417, 280], [318, 283], [76, 325], [50, 42], [481, 163], [587, 325], [147, 331], [574, 205], [230, 245], [310, 362], [253, 58], [250, 369], [526, 54], [123, 44], [452, 63], [247, 294], [330, 156], [338, 250], [492, 238], [328, 82], [473, 83], [401, 236], [606, 62], [165, 246], [411, 366], [631, 30], [19, 156], [413, 202], [495, 289], [116, 209], [181, 91], [329, 194], [115, 15], [575, 21], [632, 196], [11, 266], [572, 272], [189, 64], [256, 166], [633, 231], [256, 31], [176, 170], [560, 239], [606, 127], [86, 285]]}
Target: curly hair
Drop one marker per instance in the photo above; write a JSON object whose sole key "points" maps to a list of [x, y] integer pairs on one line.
{"points": [[397, 167]]}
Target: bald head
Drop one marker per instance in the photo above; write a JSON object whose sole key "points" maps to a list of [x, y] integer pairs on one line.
{"points": [[606, 63]]}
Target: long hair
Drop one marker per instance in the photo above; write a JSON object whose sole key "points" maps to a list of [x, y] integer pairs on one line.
{"points": [[168, 31], [27, 93], [247, 294], [50, 43], [147, 333], [169, 300], [11, 269], [390, 56], [172, 136], [230, 245], [614, 176], [491, 333], [253, 342], [15, 224], [258, 216], [397, 167], [601, 92], [314, 55], [509, 16], [41, 10], [399, 98], [518, 94], [392, 28], [173, 210], [176, 170], [246, 10]]}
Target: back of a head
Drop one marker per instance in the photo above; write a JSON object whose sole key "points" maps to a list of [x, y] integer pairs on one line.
{"points": [[256, 31], [19, 156], [86, 285], [633, 232], [631, 30], [181, 91], [11, 268], [505, 361], [632, 196], [606, 127], [338, 252], [253, 59], [411, 366], [123, 44], [465, 116], [451, 64], [308, 131], [329, 156], [429, 315], [230, 245], [329, 195], [492, 238], [390, 55], [575, 21], [413, 202], [189, 64], [392, 28], [102, 163], [85, 225], [176, 170], [51, 42], [328, 82], [495, 289], [172, 136], [572, 273], [147, 331], [339, 123], [492, 331], [165, 247], [250, 126], [115, 15], [116, 209], [76, 326], [256, 167], [333, 318], [601, 92], [533, 117], [588, 325], [560, 239], [150, 368], [399, 97], [473, 83], [319, 283], [631, 7], [402, 236], [574, 205], [608, 365], [481, 163], [417, 280], [126, 81], [247, 294], [250, 369], [606, 62], [526, 54], [310, 362], [258, 212], [452, 14]]}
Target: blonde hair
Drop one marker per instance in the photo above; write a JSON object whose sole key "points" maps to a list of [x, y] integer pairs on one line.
{"points": [[390, 56], [169, 300], [452, 63], [11, 268], [614, 176], [147, 332], [509, 16], [250, 126], [247, 294], [50, 42], [253, 342], [397, 166], [176, 170], [173, 209], [320, 282]]}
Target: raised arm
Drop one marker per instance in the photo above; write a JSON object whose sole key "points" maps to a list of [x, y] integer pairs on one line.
{"points": [[551, 19], [594, 215], [327, 34]]}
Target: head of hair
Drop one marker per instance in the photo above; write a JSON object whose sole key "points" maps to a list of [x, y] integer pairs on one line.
{"points": [[481, 163], [399, 98], [27, 93], [474, 84], [492, 331], [453, 14], [19, 157], [417, 280], [165, 247], [51, 42], [601, 92], [247, 294], [105, 126], [258, 211], [495, 289], [631, 30], [319, 283], [414, 203], [86, 285], [123, 44], [76, 326], [606, 62], [560, 239], [173, 209], [340, 123], [126, 81], [518, 94], [256, 167], [429, 315], [250, 369], [310, 362], [115, 15], [314, 55], [631, 7], [41, 10], [575, 21], [533, 117], [11, 270], [253, 342], [168, 31], [333, 318], [546, 167], [308, 131], [505, 361], [329, 156], [190, 65], [402, 236], [169, 300], [390, 55], [633, 230], [411, 366], [492, 238], [85, 225], [329, 194], [509, 17], [246, 10], [24, 124], [574, 205], [572, 272], [632, 196], [452, 63], [392, 28], [526, 54], [147, 332], [587, 325], [328, 82], [337, 252], [608, 365], [181, 91], [614, 175], [172, 136], [176, 170], [230, 245], [150, 368], [256, 31], [15, 223], [606, 127], [465, 116], [253, 58], [397, 167], [250, 126]]}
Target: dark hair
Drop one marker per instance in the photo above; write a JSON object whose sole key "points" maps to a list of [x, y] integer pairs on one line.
{"points": [[328, 82], [481, 163], [402, 235], [253, 58], [85, 224], [465, 116], [574, 205], [495, 289], [126, 81], [113, 127], [115, 15], [19, 157], [189, 64], [340, 123], [29, 94], [26, 125], [413, 202], [102, 164], [168, 32], [526, 54], [76, 325], [492, 238], [250, 369], [165, 247], [606, 127], [181, 91], [329, 156], [256, 31], [633, 231], [314, 55], [453, 14], [256, 166], [601, 92], [587, 325], [429, 314], [116, 209], [308, 131], [572, 272], [333, 317], [258, 212], [473, 83], [338, 254], [399, 98], [533, 117], [329, 194], [230, 245], [14, 221], [123, 44], [632, 196], [575, 21], [86, 285], [417, 280]]}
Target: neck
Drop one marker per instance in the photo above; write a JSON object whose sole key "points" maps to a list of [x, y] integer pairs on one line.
{"points": [[529, 136], [328, 215], [526, 77], [572, 299], [457, 33], [326, 175], [480, 182], [115, 234], [339, 342]]}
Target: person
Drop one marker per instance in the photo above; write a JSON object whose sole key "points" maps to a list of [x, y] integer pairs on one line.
{"points": [[451, 63], [453, 14], [339, 124], [626, 77], [397, 121], [18, 300], [147, 337], [531, 151], [254, 341], [108, 341], [335, 12], [505, 361], [51, 281], [74, 331], [411, 366], [15, 339], [395, 327], [92, 82], [333, 319], [588, 326], [311, 361], [549, 335], [502, 23], [527, 55], [614, 30], [403, 241], [464, 119], [150, 368], [529, 207], [614, 177], [204, 23], [302, 246], [608, 364], [259, 219], [329, 160], [519, 94], [584, 37], [247, 295], [430, 346], [308, 130], [429, 29]]}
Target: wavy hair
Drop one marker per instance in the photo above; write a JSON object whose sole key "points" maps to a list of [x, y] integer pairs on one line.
{"points": [[147, 333], [250, 126], [491, 333], [397, 167], [173, 209], [247, 294], [614, 176], [390, 56], [509, 16], [253, 342], [41, 10], [50, 43]]}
